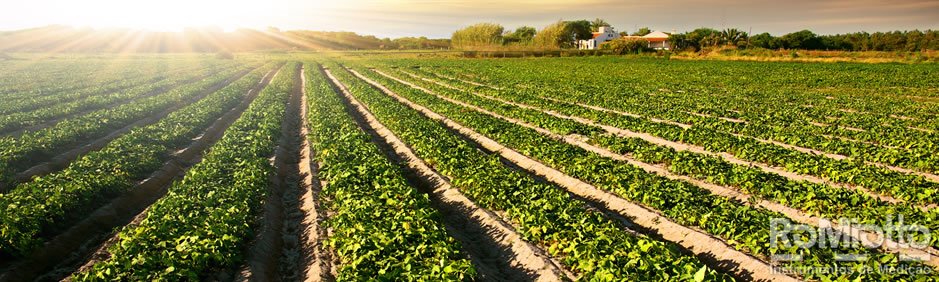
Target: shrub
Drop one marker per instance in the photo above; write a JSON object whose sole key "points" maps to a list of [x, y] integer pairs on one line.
{"points": [[626, 46]]}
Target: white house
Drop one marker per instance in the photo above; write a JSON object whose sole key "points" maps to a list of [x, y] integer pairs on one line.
{"points": [[605, 34], [658, 40]]}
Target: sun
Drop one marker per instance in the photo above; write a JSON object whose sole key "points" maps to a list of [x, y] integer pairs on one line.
{"points": [[162, 15]]}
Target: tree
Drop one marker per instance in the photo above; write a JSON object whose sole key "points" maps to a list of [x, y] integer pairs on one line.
{"points": [[735, 37], [679, 41], [702, 37], [477, 36], [556, 35], [522, 35], [642, 31], [580, 29], [597, 23], [804, 39], [765, 40]]}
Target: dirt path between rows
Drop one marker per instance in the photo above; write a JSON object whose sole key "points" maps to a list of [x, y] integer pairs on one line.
{"points": [[493, 244], [316, 260], [263, 261], [465, 81], [86, 242], [698, 242]]}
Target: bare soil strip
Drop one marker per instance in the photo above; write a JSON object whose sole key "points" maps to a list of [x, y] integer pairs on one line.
{"points": [[307, 242], [860, 141], [622, 113], [63, 160], [901, 117], [921, 129], [467, 81], [700, 243], [819, 124], [489, 240], [734, 120], [264, 254], [86, 242]]}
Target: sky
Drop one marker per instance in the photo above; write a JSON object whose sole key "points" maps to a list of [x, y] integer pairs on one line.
{"points": [[439, 18]]}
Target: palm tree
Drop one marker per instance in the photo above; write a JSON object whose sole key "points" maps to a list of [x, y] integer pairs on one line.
{"points": [[733, 36], [597, 23]]}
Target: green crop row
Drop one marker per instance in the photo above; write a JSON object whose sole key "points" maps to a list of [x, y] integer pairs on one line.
{"points": [[382, 228], [205, 221]]}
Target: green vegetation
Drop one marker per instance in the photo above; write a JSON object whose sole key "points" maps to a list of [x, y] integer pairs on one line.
{"points": [[403, 237], [205, 220]]}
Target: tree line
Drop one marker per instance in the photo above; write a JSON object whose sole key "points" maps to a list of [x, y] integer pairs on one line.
{"points": [[914, 40], [564, 34]]}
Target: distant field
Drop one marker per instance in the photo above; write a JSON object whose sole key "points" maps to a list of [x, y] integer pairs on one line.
{"points": [[420, 166]]}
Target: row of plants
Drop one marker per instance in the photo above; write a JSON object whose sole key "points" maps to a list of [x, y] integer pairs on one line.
{"points": [[382, 228], [35, 210], [909, 188], [582, 239], [814, 199], [775, 114], [742, 226], [205, 221], [33, 147], [97, 98]]}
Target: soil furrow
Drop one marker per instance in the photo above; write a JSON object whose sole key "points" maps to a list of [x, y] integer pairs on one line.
{"points": [[266, 249], [315, 257]]}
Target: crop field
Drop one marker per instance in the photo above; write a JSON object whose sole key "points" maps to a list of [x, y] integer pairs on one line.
{"points": [[355, 166]]}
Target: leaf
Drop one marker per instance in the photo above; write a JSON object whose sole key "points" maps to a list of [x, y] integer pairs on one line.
{"points": [[699, 276]]}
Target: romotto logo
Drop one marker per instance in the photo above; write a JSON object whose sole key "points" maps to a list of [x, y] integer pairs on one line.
{"points": [[850, 234]]}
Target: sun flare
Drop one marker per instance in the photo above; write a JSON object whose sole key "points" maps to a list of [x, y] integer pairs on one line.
{"points": [[164, 15]]}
